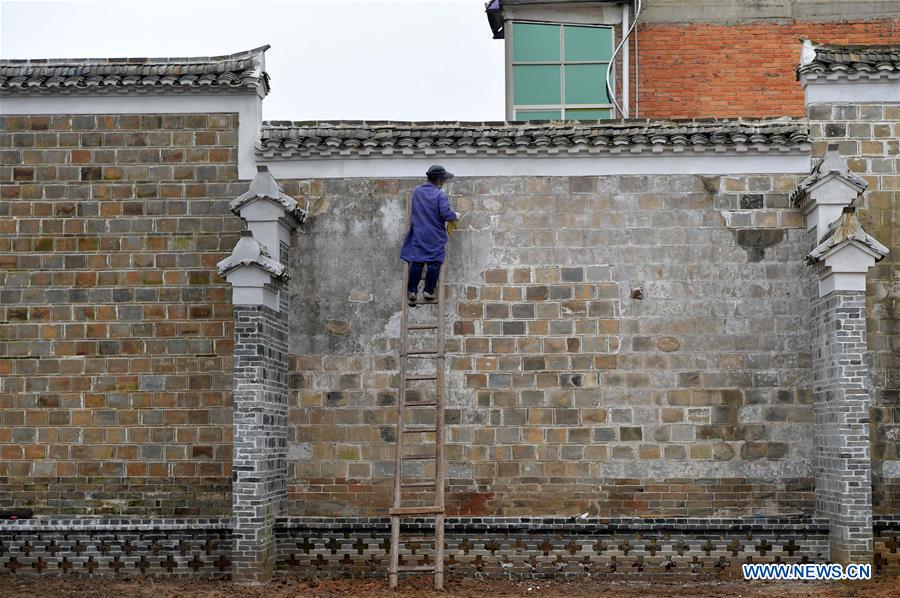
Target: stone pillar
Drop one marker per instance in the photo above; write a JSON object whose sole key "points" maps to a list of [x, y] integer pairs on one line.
{"points": [[841, 377], [259, 425]]}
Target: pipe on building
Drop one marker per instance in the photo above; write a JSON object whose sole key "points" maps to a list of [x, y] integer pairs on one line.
{"points": [[637, 74], [625, 58], [625, 34]]}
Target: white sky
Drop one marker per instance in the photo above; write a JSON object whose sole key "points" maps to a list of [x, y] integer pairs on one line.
{"points": [[377, 59]]}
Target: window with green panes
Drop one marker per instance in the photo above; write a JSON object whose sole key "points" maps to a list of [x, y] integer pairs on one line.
{"points": [[559, 71]]}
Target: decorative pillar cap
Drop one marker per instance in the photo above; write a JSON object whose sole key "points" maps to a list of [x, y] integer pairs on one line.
{"points": [[255, 278], [833, 166], [845, 231], [845, 254], [265, 187], [248, 252]]}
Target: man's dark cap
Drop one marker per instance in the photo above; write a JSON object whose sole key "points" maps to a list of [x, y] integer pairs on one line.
{"points": [[438, 172]]}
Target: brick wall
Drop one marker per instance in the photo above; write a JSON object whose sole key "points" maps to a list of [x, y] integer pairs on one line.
{"points": [[547, 547], [115, 330], [619, 345], [867, 135], [494, 547], [713, 70], [886, 535], [115, 547]]}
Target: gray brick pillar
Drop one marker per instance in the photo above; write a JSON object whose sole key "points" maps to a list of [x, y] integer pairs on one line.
{"points": [[260, 411], [842, 256], [841, 401], [260, 438]]}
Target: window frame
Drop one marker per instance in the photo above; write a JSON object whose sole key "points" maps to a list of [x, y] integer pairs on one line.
{"points": [[563, 106]]}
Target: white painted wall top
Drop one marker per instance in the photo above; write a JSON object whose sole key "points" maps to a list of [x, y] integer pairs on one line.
{"points": [[579, 165]]}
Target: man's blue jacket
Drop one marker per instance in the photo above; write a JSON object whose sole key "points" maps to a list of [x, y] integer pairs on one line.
{"points": [[427, 234]]}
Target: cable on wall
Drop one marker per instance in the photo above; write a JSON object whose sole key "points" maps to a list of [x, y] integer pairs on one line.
{"points": [[609, 90]]}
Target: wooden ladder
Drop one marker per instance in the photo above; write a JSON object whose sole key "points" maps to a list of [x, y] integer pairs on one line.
{"points": [[420, 433]]}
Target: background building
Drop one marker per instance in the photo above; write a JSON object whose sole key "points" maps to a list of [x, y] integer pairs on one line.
{"points": [[683, 58]]}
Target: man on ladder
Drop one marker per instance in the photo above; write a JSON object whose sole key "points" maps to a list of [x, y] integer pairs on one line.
{"points": [[427, 236], [429, 214]]}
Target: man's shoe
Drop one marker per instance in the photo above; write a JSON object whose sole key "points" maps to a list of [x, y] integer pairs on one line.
{"points": [[412, 298], [429, 298]]}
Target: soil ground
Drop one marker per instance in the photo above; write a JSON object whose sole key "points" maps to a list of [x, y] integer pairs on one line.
{"points": [[290, 587]]}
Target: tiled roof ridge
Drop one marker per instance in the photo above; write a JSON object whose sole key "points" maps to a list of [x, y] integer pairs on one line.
{"points": [[134, 60], [284, 139], [875, 60], [239, 71], [627, 124]]}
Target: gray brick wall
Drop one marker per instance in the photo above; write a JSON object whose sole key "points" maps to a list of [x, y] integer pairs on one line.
{"points": [[568, 390]]}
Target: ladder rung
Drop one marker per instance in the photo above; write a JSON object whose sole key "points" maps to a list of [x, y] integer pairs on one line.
{"points": [[418, 457], [422, 327], [422, 352], [414, 568], [417, 511], [417, 539], [428, 484], [418, 430], [419, 404], [420, 378]]}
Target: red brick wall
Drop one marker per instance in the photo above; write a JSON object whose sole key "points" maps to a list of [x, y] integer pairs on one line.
{"points": [[115, 329], [709, 70]]}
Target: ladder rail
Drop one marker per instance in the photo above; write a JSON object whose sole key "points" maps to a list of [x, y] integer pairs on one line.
{"points": [[398, 458], [439, 473]]}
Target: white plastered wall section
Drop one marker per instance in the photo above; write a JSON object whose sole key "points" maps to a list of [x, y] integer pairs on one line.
{"points": [[856, 91], [583, 164], [247, 106]]}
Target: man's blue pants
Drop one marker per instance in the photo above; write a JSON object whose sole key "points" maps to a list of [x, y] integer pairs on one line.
{"points": [[431, 276]]}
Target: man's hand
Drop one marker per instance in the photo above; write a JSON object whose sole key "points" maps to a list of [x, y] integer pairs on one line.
{"points": [[453, 224]]}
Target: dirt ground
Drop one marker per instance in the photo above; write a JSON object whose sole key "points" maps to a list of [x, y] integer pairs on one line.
{"points": [[22, 587]]}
